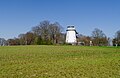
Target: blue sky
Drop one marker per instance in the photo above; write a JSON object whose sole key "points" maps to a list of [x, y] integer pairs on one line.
{"points": [[19, 16]]}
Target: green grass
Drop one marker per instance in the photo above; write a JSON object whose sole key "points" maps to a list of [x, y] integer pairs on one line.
{"points": [[59, 62]]}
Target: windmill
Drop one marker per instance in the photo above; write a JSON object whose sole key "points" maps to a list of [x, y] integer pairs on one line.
{"points": [[71, 35]]}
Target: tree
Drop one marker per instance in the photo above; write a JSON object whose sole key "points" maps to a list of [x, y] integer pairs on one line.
{"points": [[48, 33], [55, 32], [84, 40], [11, 42], [116, 40], [117, 35], [36, 30], [29, 38], [38, 40], [99, 38], [3, 42], [42, 31], [22, 39], [14, 41], [97, 33]]}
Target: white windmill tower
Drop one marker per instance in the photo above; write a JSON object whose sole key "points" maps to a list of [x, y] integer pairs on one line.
{"points": [[71, 35]]}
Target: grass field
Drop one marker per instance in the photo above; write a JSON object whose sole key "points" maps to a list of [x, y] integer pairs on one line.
{"points": [[59, 62]]}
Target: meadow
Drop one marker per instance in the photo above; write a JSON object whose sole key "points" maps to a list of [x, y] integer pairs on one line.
{"points": [[59, 62]]}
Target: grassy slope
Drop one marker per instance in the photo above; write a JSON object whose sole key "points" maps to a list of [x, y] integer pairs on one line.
{"points": [[59, 62]]}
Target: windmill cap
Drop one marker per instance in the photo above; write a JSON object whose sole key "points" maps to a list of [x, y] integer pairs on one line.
{"points": [[70, 26]]}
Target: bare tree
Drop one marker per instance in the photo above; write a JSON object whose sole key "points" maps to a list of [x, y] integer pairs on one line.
{"points": [[36, 30], [97, 33], [29, 38], [99, 38], [55, 32], [116, 40], [117, 35], [22, 39], [47, 32]]}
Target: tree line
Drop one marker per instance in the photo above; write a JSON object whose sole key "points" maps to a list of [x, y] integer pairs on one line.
{"points": [[47, 33]]}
